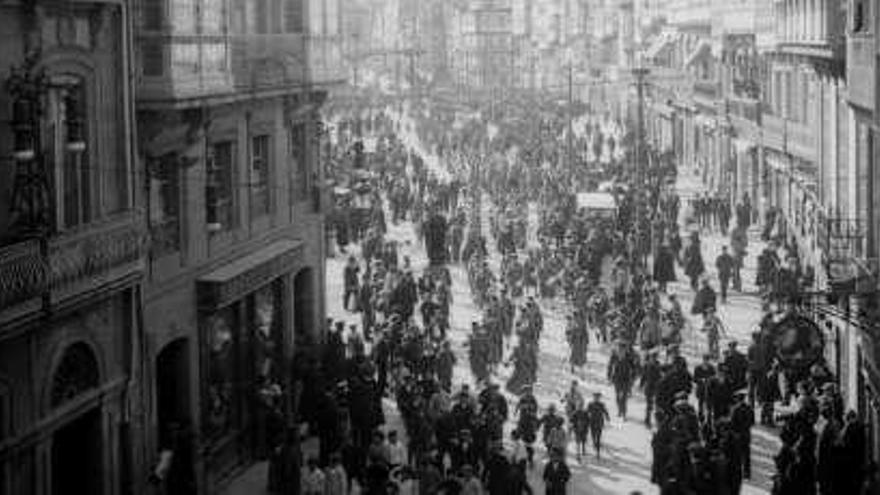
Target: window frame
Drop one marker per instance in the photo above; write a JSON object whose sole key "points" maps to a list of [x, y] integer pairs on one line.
{"points": [[294, 16], [165, 230], [259, 186], [75, 186], [215, 206]]}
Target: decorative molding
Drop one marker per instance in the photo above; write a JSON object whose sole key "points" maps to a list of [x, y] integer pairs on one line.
{"points": [[86, 256], [23, 273]]}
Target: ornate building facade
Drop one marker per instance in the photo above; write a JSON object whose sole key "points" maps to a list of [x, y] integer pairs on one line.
{"points": [[227, 116], [73, 250]]}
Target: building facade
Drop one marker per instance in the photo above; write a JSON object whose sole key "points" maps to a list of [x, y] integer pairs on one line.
{"points": [[73, 250], [772, 105], [227, 125]]}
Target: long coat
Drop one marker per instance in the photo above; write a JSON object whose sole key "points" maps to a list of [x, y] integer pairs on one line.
{"points": [[664, 265], [556, 476]]}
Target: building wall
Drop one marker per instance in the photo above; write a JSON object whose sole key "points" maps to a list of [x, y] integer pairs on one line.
{"points": [[67, 342]]}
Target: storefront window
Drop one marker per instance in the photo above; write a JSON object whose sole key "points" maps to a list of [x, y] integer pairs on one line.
{"points": [[267, 335], [221, 341]]}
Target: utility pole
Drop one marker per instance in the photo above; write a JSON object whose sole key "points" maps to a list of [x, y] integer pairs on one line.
{"points": [[570, 140], [638, 161]]}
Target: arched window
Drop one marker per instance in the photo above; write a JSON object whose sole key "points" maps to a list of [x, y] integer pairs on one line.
{"points": [[77, 372], [66, 124]]}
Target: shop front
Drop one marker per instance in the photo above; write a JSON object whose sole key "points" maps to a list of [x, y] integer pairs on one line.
{"points": [[248, 323]]}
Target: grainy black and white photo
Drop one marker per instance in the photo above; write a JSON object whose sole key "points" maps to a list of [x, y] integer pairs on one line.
{"points": [[439, 247]]}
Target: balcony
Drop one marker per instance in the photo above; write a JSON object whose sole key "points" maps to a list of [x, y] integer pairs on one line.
{"points": [[74, 265], [861, 71], [181, 70]]}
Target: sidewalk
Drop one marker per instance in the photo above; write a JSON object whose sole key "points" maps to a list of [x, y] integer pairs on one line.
{"points": [[743, 311]]}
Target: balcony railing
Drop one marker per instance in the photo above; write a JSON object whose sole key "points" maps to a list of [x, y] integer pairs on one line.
{"points": [[73, 264], [860, 71]]}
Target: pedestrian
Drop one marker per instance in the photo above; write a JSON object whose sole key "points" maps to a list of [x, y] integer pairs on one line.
{"points": [[703, 372], [650, 380], [337, 478], [313, 481], [597, 415], [705, 299], [397, 455], [664, 266], [742, 418], [556, 474], [714, 330], [725, 264], [622, 370], [580, 426], [471, 484], [351, 290], [693, 261], [496, 471]]}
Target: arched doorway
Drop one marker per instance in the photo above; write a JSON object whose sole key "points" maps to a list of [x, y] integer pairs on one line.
{"points": [[172, 389], [173, 413], [304, 309], [77, 447]]}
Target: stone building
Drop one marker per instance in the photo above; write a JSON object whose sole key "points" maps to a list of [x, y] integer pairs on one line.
{"points": [[227, 122], [72, 249]]}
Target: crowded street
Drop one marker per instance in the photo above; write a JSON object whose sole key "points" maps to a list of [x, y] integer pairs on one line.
{"points": [[625, 464], [628, 465]]}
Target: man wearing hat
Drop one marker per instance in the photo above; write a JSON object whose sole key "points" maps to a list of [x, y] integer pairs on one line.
{"points": [[742, 418], [651, 374], [703, 372], [597, 416], [556, 473]]}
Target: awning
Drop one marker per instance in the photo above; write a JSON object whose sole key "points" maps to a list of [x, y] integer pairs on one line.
{"points": [[233, 281], [703, 49]]}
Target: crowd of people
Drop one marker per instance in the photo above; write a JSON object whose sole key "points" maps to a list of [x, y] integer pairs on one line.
{"points": [[610, 277]]}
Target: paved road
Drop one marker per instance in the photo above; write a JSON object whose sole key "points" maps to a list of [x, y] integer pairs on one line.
{"points": [[627, 464]]}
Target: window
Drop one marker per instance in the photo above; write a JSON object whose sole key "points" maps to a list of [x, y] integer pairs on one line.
{"points": [[165, 205], [67, 131], [218, 186], [293, 16], [300, 159], [260, 170], [261, 16], [154, 15], [861, 16], [152, 58]]}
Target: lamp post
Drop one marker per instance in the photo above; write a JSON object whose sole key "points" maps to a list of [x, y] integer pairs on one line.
{"points": [[31, 198], [569, 55]]}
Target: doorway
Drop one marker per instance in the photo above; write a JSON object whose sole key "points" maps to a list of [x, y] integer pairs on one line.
{"points": [[77, 457], [172, 389], [304, 309]]}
